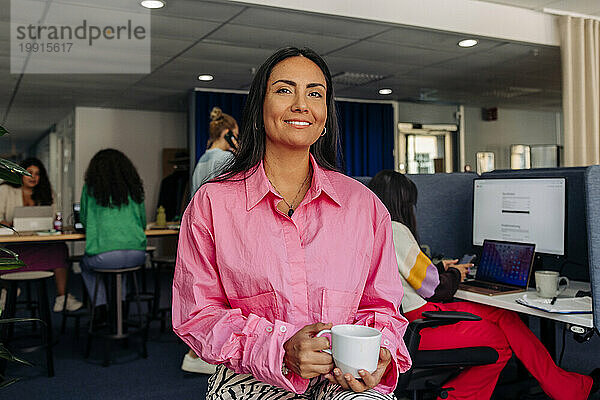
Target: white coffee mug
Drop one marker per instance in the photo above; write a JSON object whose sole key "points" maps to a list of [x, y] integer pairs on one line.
{"points": [[549, 284], [354, 347]]}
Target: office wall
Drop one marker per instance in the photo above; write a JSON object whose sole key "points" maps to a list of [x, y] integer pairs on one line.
{"points": [[141, 135], [421, 113], [512, 127]]}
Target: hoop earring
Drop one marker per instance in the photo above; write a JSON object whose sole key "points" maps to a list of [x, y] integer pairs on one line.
{"points": [[324, 131]]}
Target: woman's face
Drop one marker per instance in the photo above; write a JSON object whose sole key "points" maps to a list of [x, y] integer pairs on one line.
{"points": [[31, 181], [295, 107]]}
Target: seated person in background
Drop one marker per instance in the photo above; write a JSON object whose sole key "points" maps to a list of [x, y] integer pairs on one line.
{"points": [[426, 286], [114, 217], [219, 149], [218, 155], [282, 246], [35, 190]]}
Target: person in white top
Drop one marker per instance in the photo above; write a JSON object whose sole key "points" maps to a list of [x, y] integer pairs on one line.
{"points": [[35, 190]]}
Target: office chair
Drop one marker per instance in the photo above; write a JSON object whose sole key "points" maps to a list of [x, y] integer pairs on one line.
{"points": [[431, 369]]}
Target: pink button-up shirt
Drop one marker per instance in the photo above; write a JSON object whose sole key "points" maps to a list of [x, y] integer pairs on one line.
{"points": [[248, 277]]}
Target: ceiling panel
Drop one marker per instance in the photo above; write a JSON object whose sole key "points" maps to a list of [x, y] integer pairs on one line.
{"points": [[271, 39], [431, 40], [295, 21], [227, 53], [381, 52], [180, 28], [195, 9]]}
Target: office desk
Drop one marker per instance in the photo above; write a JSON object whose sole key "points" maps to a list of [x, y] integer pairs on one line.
{"points": [[548, 334], [70, 237]]}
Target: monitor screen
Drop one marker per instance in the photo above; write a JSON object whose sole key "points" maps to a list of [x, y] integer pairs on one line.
{"points": [[524, 210]]}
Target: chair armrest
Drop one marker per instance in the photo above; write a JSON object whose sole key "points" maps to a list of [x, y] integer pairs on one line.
{"points": [[433, 319], [454, 316]]}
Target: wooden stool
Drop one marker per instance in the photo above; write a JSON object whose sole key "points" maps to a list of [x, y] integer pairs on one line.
{"points": [[118, 326], [38, 279]]}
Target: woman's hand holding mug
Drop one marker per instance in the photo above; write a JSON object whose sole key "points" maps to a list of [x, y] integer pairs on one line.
{"points": [[303, 352]]}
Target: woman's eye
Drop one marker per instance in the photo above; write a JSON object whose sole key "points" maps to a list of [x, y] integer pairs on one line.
{"points": [[283, 90], [315, 94]]}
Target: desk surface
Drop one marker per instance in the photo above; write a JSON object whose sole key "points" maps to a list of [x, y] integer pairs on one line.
{"points": [[507, 301], [72, 236]]}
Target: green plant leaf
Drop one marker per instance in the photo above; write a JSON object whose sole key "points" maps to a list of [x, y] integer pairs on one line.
{"points": [[5, 383], [3, 131], [14, 320], [10, 263], [7, 355], [13, 167]]}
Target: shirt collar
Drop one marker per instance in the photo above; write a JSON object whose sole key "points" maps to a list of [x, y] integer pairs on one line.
{"points": [[257, 185]]}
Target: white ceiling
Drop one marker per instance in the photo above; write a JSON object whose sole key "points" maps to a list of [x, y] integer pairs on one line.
{"points": [[228, 40], [587, 7]]}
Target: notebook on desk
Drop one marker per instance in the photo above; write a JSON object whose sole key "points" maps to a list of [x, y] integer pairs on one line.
{"points": [[31, 219], [504, 267]]}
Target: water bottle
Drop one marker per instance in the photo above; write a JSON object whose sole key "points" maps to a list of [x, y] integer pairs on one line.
{"points": [[58, 222]]}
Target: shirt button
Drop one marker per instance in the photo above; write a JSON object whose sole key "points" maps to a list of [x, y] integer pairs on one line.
{"points": [[282, 328], [386, 342], [269, 329]]}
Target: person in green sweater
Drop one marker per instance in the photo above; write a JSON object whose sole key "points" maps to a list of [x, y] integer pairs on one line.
{"points": [[114, 217]]}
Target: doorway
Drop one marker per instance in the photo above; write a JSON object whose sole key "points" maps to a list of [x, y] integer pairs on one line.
{"points": [[425, 149]]}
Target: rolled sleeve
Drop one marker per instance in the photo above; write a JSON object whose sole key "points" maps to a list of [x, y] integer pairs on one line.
{"points": [[219, 334]]}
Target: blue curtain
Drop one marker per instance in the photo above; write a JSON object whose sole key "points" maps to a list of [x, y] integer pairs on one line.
{"points": [[367, 137], [230, 103], [366, 130]]}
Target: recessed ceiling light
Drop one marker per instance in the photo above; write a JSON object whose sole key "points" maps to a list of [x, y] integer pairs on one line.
{"points": [[385, 91], [152, 4], [205, 77], [468, 43]]}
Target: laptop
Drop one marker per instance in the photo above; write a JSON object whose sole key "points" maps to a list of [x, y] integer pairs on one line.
{"points": [[31, 219], [504, 267]]}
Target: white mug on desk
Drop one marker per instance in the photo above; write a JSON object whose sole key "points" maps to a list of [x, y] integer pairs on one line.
{"points": [[354, 347], [548, 284]]}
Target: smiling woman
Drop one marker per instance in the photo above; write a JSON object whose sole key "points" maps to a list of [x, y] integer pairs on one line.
{"points": [[282, 246]]}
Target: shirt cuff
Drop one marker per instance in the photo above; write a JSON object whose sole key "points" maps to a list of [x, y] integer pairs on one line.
{"points": [[265, 356], [400, 362]]}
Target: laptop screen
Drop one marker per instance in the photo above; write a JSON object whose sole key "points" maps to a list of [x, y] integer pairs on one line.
{"points": [[505, 262]]}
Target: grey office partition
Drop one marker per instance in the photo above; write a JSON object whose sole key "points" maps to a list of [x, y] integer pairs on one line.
{"points": [[592, 192], [445, 212]]}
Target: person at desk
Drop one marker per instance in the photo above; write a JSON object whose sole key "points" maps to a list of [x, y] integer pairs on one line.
{"points": [[114, 217], [281, 246], [426, 287], [222, 141], [36, 190]]}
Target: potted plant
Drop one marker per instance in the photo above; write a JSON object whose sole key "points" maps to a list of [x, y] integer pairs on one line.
{"points": [[11, 172]]}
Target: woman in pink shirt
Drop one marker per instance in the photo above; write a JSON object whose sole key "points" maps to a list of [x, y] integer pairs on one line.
{"points": [[282, 246]]}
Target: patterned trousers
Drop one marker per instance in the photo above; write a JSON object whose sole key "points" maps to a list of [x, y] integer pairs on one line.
{"points": [[227, 385]]}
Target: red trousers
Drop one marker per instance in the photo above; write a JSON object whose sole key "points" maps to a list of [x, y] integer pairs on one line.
{"points": [[504, 331]]}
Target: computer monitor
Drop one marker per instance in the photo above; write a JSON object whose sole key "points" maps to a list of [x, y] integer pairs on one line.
{"points": [[524, 210]]}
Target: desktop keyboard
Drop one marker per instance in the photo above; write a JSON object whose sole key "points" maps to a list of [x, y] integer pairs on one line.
{"points": [[489, 285]]}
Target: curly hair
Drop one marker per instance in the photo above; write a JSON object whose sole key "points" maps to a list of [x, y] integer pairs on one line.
{"points": [[218, 121], [111, 178], [42, 192]]}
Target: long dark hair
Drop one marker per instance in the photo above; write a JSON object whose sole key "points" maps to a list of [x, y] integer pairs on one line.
{"points": [[42, 192], [251, 148], [399, 195], [111, 178]]}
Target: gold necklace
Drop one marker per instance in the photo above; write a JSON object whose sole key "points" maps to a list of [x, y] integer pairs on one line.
{"points": [[290, 206]]}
